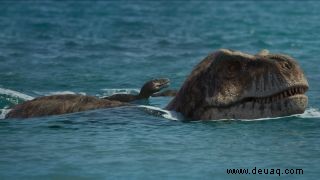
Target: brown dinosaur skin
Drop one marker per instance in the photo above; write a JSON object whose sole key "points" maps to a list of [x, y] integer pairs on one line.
{"points": [[169, 92], [60, 104], [233, 85], [225, 85], [63, 104]]}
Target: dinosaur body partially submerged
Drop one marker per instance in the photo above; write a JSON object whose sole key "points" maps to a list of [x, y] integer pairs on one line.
{"points": [[60, 104], [233, 85], [68, 103], [225, 85]]}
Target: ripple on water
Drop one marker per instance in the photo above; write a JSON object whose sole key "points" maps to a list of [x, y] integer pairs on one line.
{"points": [[111, 47]]}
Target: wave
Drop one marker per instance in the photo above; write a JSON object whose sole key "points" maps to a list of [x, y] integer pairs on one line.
{"points": [[3, 113], [109, 92], [173, 115], [106, 92], [9, 98], [63, 92], [39, 93], [15, 94], [308, 113]]}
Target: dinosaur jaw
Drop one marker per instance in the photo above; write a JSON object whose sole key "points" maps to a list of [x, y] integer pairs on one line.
{"points": [[287, 102], [163, 83]]}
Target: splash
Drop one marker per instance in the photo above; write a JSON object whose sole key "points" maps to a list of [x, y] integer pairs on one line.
{"points": [[171, 115], [63, 92], [57, 93], [9, 98], [15, 94], [310, 113], [109, 92], [3, 113]]}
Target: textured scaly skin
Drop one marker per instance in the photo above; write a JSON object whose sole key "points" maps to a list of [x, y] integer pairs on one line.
{"points": [[234, 85]]}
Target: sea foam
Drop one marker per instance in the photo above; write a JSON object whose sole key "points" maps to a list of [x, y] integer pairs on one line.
{"points": [[109, 92], [173, 115], [15, 94]]}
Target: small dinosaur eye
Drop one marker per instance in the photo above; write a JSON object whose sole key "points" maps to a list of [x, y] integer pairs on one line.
{"points": [[283, 60], [286, 65]]}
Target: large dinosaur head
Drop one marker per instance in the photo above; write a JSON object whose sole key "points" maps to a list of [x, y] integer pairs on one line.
{"points": [[233, 85]]}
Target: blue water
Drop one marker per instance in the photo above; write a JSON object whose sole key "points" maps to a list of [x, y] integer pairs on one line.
{"points": [[99, 48]]}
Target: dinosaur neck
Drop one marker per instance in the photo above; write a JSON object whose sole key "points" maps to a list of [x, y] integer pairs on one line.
{"points": [[143, 95]]}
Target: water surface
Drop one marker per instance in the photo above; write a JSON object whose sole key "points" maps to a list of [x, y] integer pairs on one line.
{"points": [[100, 48]]}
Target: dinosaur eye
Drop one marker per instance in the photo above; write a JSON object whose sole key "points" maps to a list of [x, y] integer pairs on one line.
{"points": [[286, 65], [283, 60]]}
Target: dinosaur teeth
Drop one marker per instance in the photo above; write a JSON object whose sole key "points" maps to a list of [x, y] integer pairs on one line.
{"points": [[281, 95]]}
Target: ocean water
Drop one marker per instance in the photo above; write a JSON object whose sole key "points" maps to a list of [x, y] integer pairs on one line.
{"points": [[103, 47]]}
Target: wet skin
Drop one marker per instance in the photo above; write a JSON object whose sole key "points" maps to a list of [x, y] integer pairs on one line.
{"points": [[62, 104], [225, 85], [233, 85], [147, 90]]}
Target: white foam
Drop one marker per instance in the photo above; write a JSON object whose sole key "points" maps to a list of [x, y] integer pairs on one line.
{"points": [[64, 92], [109, 92], [171, 115], [3, 113], [262, 119], [310, 113], [39, 93], [15, 94]]}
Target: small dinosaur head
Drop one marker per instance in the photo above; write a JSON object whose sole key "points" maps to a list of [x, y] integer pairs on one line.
{"points": [[153, 86], [233, 85]]}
